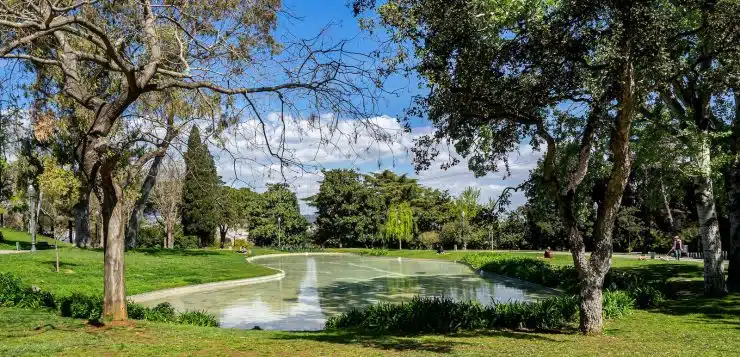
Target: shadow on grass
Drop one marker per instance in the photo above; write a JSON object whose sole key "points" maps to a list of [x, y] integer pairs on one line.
{"points": [[665, 271], [24, 245], [403, 343], [709, 308], [62, 264], [177, 252]]}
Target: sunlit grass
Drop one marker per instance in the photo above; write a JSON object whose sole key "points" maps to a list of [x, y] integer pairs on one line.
{"points": [[149, 270]]}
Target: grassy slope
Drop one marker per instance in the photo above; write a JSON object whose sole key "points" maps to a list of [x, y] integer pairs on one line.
{"points": [[82, 270]]}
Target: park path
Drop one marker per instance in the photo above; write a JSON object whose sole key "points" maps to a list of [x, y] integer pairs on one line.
{"points": [[13, 251]]}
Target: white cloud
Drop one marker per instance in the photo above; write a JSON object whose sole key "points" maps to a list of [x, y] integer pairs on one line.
{"points": [[243, 158]]}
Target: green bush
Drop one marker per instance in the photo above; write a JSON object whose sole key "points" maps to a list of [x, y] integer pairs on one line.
{"points": [[243, 243], [373, 252], [443, 315], [81, 306], [617, 304], [151, 237], [647, 297], [13, 293], [303, 248], [429, 239], [528, 269], [197, 318], [186, 242]]}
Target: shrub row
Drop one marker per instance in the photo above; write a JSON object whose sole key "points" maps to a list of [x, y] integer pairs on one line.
{"points": [[298, 248], [372, 252], [13, 293], [444, 315], [645, 293]]}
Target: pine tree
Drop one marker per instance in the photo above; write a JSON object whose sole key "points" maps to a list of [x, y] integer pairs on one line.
{"points": [[200, 191]]}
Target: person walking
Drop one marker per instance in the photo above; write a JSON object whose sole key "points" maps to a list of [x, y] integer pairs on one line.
{"points": [[677, 247]]}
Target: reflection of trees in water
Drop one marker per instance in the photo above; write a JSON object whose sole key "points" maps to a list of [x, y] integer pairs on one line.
{"points": [[312, 290], [340, 296]]}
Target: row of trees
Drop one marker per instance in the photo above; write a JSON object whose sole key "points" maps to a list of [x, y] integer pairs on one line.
{"points": [[190, 198], [378, 209]]}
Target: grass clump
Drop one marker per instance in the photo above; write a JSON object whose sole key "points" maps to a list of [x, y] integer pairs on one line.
{"points": [[372, 252], [81, 306], [197, 318], [617, 303], [444, 315]]}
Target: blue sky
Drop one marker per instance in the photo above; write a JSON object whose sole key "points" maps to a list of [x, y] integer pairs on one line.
{"points": [[306, 19]]}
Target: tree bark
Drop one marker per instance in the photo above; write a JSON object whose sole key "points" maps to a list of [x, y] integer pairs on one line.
{"points": [[70, 231], [169, 240], [132, 228], [732, 180], [114, 298], [667, 205], [714, 281], [81, 212], [733, 190]]}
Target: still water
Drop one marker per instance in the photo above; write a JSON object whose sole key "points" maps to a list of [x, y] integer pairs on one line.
{"points": [[319, 286]]}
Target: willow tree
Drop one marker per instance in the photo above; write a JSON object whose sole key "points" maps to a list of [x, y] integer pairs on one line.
{"points": [[399, 223], [224, 50], [501, 72]]}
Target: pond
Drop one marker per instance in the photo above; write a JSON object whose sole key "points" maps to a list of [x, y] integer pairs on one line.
{"points": [[316, 287]]}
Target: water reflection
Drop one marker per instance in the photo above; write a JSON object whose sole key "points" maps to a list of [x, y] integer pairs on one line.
{"points": [[319, 286]]}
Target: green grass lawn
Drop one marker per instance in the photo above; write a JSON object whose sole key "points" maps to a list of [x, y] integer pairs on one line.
{"points": [[674, 331], [688, 326], [81, 270]]}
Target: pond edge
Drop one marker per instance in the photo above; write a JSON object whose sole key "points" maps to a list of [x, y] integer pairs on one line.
{"points": [[189, 289]]}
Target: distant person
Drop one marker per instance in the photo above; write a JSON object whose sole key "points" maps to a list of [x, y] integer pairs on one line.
{"points": [[440, 249], [548, 253], [677, 247]]}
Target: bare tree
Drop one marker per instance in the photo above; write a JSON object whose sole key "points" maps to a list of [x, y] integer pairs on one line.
{"points": [[167, 196], [131, 48]]}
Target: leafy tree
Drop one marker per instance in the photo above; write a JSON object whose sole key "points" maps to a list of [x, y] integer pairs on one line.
{"points": [[502, 72], [703, 58], [348, 210], [399, 223], [59, 192], [200, 195], [229, 215], [432, 209], [280, 221], [466, 208]]}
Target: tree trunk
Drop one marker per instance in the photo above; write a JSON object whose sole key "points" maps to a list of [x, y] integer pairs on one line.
{"points": [[399, 244], [114, 297], [592, 306], [82, 220], [70, 231], [733, 190], [132, 228], [667, 205], [169, 241], [223, 230], [732, 185], [56, 251], [714, 280]]}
